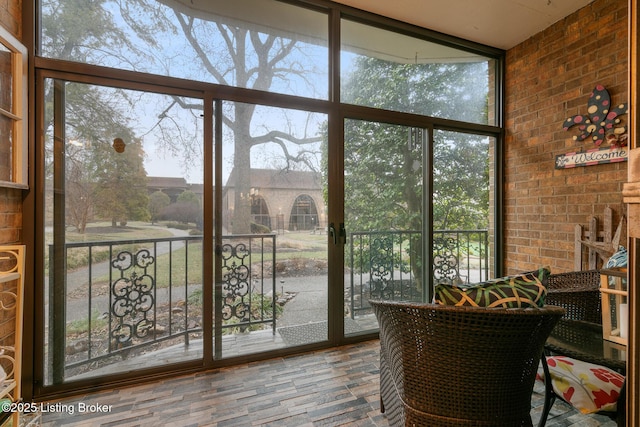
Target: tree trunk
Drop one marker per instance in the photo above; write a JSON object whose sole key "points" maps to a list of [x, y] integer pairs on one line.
{"points": [[242, 166]]}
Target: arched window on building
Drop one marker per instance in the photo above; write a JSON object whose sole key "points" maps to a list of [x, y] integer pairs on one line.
{"points": [[304, 214]]}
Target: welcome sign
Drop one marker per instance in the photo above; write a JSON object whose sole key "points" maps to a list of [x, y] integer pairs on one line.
{"points": [[596, 156]]}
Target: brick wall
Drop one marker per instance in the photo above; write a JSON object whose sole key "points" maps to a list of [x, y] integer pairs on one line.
{"points": [[11, 199], [548, 79]]}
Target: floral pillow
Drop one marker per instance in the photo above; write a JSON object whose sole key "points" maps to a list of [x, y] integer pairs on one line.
{"points": [[523, 290], [587, 387]]}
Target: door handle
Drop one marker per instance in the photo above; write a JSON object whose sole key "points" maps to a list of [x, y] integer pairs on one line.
{"points": [[333, 233], [338, 234]]}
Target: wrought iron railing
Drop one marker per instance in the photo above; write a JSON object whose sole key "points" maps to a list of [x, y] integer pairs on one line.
{"points": [[387, 264], [248, 289], [133, 294], [130, 294]]}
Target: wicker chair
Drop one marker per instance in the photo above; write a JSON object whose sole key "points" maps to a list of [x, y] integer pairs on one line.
{"points": [[459, 366], [578, 292]]}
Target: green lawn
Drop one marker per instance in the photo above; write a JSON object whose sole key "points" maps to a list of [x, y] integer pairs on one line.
{"points": [[104, 232]]}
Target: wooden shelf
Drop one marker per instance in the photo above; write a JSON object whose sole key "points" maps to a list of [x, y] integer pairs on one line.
{"points": [[9, 277], [11, 304], [614, 295], [6, 388]]}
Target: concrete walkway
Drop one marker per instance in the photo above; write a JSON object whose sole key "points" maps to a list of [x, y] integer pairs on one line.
{"points": [[310, 302]]}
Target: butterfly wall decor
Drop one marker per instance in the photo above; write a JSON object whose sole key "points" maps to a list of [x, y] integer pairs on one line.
{"points": [[602, 122]]}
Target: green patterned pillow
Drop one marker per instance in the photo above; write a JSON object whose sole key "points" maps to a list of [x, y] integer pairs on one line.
{"points": [[523, 290]]}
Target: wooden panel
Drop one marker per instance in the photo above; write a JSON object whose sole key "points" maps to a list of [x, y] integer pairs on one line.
{"points": [[633, 368]]}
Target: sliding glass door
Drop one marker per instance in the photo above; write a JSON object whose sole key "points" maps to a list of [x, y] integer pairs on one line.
{"points": [[405, 191], [272, 258], [122, 211], [148, 203], [383, 181], [246, 188]]}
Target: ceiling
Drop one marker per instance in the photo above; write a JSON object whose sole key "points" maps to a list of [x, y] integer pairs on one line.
{"points": [[497, 23]]}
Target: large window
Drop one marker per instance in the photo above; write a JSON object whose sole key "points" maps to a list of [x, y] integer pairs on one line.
{"points": [[241, 43], [271, 175], [386, 69]]}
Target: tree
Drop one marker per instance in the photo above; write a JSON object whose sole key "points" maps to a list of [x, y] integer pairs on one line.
{"points": [[254, 59], [79, 195], [188, 204], [378, 166], [101, 182], [120, 183], [158, 200], [189, 197], [223, 50], [83, 31], [461, 177], [382, 165], [98, 180], [383, 162], [183, 212]]}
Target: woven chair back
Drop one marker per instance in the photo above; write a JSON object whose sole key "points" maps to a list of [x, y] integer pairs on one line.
{"points": [[451, 365]]}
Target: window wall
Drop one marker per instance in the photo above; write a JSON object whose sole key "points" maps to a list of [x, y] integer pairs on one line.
{"points": [[381, 68], [301, 157], [254, 44]]}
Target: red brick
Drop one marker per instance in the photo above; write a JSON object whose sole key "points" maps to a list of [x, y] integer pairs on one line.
{"points": [[548, 79]]}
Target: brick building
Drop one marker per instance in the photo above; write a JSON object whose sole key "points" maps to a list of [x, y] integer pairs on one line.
{"points": [[280, 200]]}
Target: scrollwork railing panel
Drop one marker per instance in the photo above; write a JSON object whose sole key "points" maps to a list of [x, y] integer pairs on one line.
{"points": [[133, 297], [247, 286], [236, 274], [445, 260], [387, 264]]}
